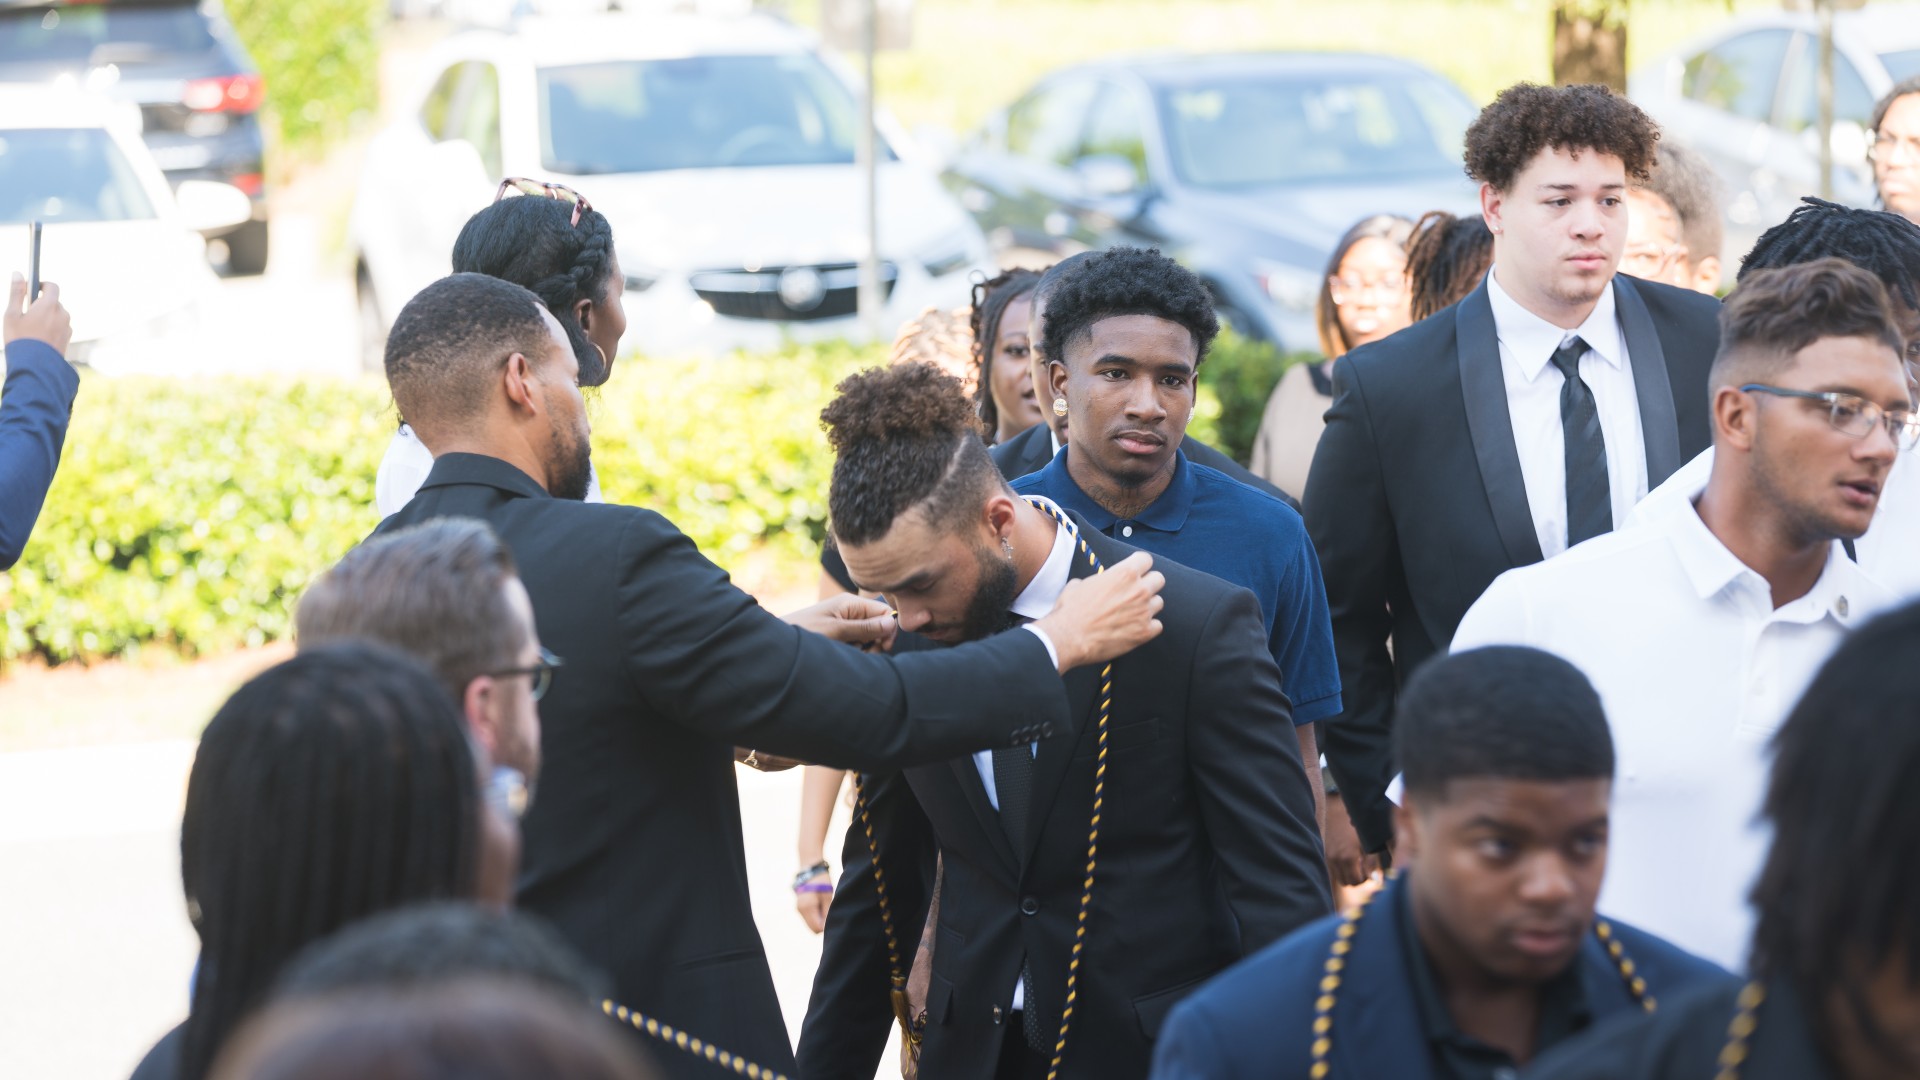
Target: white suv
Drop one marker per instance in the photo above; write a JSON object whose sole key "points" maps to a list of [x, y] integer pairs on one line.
{"points": [[720, 149]]}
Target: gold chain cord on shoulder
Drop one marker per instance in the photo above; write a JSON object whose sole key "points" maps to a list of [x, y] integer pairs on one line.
{"points": [[699, 1048], [1333, 972], [896, 978], [1740, 1031]]}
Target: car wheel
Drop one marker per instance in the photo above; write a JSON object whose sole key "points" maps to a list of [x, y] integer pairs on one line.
{"points": [[247, 249], [373, 328]]}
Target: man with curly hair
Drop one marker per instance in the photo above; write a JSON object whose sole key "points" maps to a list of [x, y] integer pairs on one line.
{"points": [[1207, 849], [1524, 419]]}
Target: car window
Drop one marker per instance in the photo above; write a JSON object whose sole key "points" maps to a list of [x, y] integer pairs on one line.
{"points": [[1117, 127], [1801, 94], [95, 33], [1740, 74], [1902, 65], [434, 110], [68, 174], [1047, 124], [1265, 130], [702, 112], [477, 115]]}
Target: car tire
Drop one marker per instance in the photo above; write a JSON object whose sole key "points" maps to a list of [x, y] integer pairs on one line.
{"points": [[247, 249], [373, 326]]}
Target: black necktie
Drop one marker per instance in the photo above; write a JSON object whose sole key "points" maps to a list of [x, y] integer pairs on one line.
{"points": [[1589, 497], [1013, 783]]}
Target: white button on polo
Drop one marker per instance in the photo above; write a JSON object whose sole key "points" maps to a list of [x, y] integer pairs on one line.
{"points": [[1126, 530]]}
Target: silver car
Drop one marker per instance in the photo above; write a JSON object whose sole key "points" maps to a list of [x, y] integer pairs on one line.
{"points": [[1746, 96]]}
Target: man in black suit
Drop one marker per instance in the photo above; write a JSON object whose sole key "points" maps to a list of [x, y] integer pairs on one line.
{"points": [[1032, 449], [633, 848], [1526, 418], [1207, 847]]}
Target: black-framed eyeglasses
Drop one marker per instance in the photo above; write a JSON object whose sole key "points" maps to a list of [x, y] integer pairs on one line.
{"points": [[1854, 416], [542, 673], [523, 186]]}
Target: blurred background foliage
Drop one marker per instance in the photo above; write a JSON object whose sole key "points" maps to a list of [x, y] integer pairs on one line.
{"points": [[204, 546], [320, 60]]}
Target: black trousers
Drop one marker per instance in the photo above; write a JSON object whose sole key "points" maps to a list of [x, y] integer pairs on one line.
{"points": [[1018, 1061]]}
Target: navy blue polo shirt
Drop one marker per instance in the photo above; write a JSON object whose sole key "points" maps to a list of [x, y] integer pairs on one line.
{"points": [[1208, 521]]}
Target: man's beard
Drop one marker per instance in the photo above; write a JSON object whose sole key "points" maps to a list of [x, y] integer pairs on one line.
{"points": [[987, 613], [571, 463]]}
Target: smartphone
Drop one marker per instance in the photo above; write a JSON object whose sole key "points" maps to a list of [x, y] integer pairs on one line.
{"points": [[33, 262]]}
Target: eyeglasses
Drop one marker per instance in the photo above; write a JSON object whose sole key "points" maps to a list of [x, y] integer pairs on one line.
{"points": [[523, 186], [1886, 147], [541, 672], [1651, 260], [1854, 416], [1346, 287]]}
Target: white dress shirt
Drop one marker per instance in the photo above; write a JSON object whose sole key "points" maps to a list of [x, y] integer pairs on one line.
{"points": [[1034, 602], [1696, 669], [1527, 345], [405, 467], [1889, 552]]}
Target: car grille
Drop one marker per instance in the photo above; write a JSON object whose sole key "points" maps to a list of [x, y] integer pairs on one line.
{"points": [[758, 294]]}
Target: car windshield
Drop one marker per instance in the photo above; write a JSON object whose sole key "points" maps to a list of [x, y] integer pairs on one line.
{"points": [[100, 34], [1902, 65], [695, 113], [67, 174], [1257, 132]]}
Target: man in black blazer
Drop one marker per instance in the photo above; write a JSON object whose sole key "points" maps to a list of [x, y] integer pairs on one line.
{"points": [[1207, 846], [633, 846], [1460, 448]]}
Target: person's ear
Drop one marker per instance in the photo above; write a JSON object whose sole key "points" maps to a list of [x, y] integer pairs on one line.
{"points": [[1492, 207], [518, 379], [999, 515], [1706, 275], [583, 314], [1406, 830], [478, 706], [1735, 415], [1056, 382]]}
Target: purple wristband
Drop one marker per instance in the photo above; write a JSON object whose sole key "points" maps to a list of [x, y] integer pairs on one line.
{"points": [[814, 887]]}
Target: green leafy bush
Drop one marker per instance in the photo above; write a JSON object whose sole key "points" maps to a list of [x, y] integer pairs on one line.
{"points": [[320, 60], [1239, 377]]}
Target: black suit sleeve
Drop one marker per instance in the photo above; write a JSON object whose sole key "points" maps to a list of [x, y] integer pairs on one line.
{"points": [[1353, 530], [1253, 795], [850, 1010], [703, 653]]}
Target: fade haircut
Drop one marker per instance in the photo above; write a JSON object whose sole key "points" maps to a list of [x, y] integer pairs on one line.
{"points": [[1833, 894], [1504, 713], [1527, 118], [1883, 243], [429, 944], [905, 437], [1776, 313], [534, 242], [433, 590], [1127, 281], [451, 340], [1447, 258], [1686, 181]]}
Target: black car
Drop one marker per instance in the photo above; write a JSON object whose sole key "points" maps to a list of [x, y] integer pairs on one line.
{"points": [[198, 91], [1246, 167]]}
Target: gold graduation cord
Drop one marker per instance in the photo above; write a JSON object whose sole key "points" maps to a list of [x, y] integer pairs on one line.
{"points": [[700, 1048], [1740, 1031], [896, 978], [1334, 970]]}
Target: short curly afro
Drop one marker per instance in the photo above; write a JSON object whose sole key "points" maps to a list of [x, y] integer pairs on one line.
{"points": [[1527, 118], [1126, 281], [905, 436]]}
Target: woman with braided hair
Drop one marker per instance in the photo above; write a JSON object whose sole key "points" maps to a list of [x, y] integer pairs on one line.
{"points": [[1447, 257], [560, 248], [336, 785], [1005, 395]]}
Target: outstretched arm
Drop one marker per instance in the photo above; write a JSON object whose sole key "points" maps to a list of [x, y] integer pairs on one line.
{"points": [[34, 408]]}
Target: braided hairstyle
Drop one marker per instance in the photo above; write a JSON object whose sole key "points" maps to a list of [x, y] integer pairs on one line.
{"points": [[990, 301], [532, 242], [1878, 241], [1446, 259], [903, 437], [333, 786]]}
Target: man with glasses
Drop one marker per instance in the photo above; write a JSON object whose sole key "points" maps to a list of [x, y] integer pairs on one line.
{"points": [[1895, 149], [1701, 627], [1673, 223]]}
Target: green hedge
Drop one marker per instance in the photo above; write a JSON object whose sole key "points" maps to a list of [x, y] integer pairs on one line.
{"points": [[1235, 382], [320, 60]]}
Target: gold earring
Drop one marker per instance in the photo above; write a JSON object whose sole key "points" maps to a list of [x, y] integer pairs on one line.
{"points": [[1059, 406]]}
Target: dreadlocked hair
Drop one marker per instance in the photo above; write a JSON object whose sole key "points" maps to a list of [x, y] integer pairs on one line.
{"points": [[905, 437], [1878, 241], [333, 786], [990, 301], [533, 243], [1834, 898], [1447, 258]]}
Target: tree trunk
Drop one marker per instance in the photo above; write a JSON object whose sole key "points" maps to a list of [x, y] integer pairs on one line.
{"points": [[1590, 43]]}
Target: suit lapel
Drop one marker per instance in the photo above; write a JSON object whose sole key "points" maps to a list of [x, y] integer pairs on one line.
{"points": [[1477, 345], [1083, 685], [967, 775], [1038, 451], [1377, 1026], [1652, 384]]}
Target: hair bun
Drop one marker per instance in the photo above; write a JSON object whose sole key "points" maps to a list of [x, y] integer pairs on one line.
{"points": [[903, 401]]}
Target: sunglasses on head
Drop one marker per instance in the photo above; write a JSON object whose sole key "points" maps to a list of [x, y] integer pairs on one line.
{"points": [[520, 185]]}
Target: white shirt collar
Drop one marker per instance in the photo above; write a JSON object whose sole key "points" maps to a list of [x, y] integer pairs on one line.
{"points": [[1712, 568], [1038, 598], [1053, 438], [1531, 340]]}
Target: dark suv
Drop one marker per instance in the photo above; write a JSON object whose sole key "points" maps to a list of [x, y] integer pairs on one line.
{"points": [[198, 91]]}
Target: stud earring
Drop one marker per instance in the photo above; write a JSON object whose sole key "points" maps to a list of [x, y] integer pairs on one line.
{"points": [[1059, 406], [1006, 545]]}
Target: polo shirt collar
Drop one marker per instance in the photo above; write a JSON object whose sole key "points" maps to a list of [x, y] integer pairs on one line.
{"points": [[1531, 340], [1168, 513], [1711, 568]]}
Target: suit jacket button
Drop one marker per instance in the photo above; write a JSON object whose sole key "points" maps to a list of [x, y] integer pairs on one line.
{"points": [[1029, 906], [996, 1014]]}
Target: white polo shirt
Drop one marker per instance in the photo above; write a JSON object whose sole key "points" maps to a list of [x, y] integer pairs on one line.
{"points": [[1696, 669]]}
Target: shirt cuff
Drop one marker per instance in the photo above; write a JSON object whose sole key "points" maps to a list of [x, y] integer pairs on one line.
{"points": [[1053, 654]]}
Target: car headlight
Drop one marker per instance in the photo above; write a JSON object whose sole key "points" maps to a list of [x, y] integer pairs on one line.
{"points": [[949, 254], [1289, 286]]}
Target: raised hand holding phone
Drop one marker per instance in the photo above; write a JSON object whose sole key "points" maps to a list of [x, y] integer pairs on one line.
{"points": [[44, 320]]}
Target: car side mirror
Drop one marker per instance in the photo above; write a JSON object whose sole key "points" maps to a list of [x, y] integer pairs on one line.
{"points": [[206, 205], [1106, 176]]}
